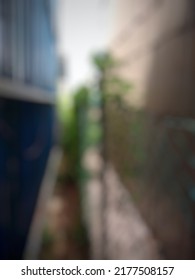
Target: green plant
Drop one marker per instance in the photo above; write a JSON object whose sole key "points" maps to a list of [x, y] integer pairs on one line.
{"points": [[111, 85]]}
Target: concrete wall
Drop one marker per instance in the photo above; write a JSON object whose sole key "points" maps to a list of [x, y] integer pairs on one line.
{"points": [[155, 41]]}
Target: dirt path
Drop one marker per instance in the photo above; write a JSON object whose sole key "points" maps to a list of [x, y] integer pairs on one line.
{"points": [[64, 236]]}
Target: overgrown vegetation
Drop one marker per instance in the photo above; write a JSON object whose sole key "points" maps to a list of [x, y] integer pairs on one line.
{"points": [[80, 131]]}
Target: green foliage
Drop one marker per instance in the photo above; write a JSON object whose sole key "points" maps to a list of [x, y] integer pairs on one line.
{"points": [[79, 131], [113, 87], [69, 107], [103, 61], [81, 96], [93, 134], [114, 90]]}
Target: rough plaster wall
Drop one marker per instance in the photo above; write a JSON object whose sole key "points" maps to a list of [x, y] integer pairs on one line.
{"points": [[155, 41], [152, 41]]}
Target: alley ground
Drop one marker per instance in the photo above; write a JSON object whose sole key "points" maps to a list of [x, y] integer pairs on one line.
{"points": [[119, 232]]}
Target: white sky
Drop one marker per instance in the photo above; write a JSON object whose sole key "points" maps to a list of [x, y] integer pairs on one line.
{"points": [[83, 28]]}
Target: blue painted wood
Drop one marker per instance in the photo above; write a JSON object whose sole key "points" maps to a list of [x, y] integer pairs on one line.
{"points": [[26, 137], [27, 54], [27, 49]]}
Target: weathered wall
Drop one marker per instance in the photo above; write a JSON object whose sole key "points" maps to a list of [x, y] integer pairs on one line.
{"points": [[155, 41]]}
